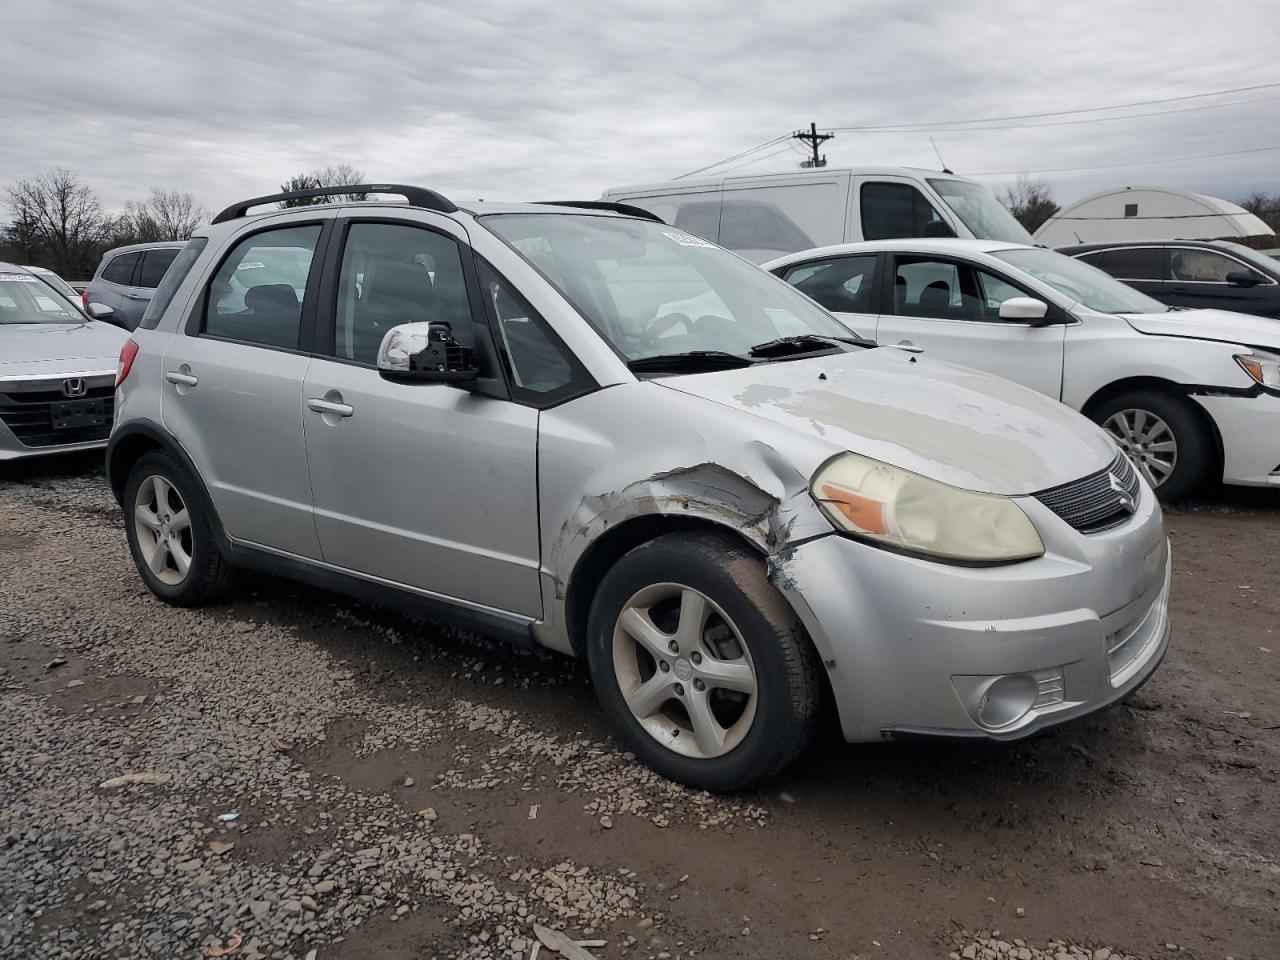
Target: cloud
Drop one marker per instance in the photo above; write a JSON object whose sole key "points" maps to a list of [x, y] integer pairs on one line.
{"points": [[522, 100]]}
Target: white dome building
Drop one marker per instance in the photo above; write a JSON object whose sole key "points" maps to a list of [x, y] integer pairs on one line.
{"points": [[1148, 213]]}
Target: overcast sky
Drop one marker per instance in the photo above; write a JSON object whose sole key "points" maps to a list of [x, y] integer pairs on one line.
{"points": [[519, 100]]}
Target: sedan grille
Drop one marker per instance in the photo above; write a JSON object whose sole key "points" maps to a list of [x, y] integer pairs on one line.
{"points": [[30, 416], [1099, 501]]}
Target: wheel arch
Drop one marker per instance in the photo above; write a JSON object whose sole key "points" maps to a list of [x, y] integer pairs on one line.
{"points": [[1162, 385]]}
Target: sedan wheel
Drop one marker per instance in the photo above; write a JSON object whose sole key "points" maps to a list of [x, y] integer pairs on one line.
{"points": [[162, 526], [684, 671], [1148, 441]]}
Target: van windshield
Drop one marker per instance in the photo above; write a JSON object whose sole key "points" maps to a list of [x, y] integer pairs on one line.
{"points": [[652, 290], [978, 210]]}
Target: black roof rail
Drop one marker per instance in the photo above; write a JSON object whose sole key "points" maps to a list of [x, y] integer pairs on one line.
{"points": [[417, 197], [623, 208]]}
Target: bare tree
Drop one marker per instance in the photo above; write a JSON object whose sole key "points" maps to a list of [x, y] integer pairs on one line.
{"points": [[1264, 206], [168, 215], [1030, 200], [58, 219], [334, 175]]}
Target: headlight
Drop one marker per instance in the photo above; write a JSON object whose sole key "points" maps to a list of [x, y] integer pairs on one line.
{"points": [[1264, 367], [874, 501]]}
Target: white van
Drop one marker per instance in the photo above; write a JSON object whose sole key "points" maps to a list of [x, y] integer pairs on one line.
{"points": [[763, 216]]}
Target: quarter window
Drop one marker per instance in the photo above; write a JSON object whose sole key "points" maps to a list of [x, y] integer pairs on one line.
{"points": [[120, 269], [154, 264], [892, 210], [256, 295], [394, 274], [844, 285]]}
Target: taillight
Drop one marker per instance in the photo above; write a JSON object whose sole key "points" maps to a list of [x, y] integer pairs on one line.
{"points": [[127, 353], [84, 299]]}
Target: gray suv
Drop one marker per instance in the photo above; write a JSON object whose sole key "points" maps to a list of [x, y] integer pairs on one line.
{"points": [[126, 278], [575, 426]]}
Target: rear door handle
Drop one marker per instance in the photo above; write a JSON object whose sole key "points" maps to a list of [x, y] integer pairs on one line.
{"points": [[135, 296], [185, 379], [328, 406]]}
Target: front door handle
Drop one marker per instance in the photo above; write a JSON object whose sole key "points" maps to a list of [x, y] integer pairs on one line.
{"points": [[320, 405], [184, 379]]}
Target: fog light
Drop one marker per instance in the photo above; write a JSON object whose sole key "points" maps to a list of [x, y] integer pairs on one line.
{"points": [[1007, 699]]}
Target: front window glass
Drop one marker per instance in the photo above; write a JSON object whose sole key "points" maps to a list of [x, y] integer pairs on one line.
{"points": [[24, 299], [256, 296], [1267, 265], [173, 278], [891, 210], [1084, 284], [1191, 265], [652, 290], [154, 264], [980, 211]]}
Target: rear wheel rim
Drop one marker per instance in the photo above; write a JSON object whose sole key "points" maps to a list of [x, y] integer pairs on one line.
{"points": [[684, 671], [162, 526], [1149, 442]]}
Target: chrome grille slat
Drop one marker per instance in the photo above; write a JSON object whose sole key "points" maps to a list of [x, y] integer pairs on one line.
{"points": [[1093, 504]]}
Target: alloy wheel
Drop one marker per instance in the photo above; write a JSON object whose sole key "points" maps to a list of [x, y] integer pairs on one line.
{"points": [[162, 526], [1147, 440], [684, 671]]}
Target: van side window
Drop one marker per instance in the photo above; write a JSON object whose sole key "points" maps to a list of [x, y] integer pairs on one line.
{"points": [[699, 217], [891, 210]]}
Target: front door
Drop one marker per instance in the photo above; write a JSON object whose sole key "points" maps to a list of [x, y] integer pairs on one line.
{"points": [[1198, 278], [428, 485], [233, 387], [950, 309]]}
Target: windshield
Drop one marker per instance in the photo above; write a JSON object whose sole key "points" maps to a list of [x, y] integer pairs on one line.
{"points": [[1086, 285], [55, 281], [1269, 265], [652, 290], [24, 299], [978, 210]]}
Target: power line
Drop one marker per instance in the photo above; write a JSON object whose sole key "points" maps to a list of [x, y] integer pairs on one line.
{"points": [[757, 159], [1055, 113], [759, 146], [1136, 163]]}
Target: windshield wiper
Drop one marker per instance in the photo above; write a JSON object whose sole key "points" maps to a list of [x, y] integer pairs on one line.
{"points": [[804, 343], [692, 359]]}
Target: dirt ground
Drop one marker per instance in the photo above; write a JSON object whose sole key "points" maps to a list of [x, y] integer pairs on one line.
{"points": [[405, 791]]}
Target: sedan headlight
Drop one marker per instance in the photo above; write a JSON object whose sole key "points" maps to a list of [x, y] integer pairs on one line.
{"points": [[887, 505], [1264, 367]]}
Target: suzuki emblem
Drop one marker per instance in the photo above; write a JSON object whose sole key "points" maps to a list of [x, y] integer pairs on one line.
{"points": [[1123, 495]]}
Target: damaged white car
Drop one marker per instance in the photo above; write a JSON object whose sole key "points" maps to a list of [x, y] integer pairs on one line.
{"points": [[577, 427]]}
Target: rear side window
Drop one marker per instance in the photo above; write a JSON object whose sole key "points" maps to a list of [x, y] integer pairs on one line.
{"points": [[120, 269], [1134, 263], [843, 285], [256, 295], [183, 261], [154, 264], [891, 210]]}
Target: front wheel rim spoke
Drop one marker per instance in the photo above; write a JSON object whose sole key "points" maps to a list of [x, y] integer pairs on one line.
{"points": [[693, 618], [707, 732], [648, 698], [147, 517], [733, 675], [641, 629], [159, 560]]}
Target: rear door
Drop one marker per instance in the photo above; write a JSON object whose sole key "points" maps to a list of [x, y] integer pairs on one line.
{"points": [[1198, 278], [427, 485], [150, 271], [233, 375], [112, 285], [950, 309], [844, 285], [1143, 268]]}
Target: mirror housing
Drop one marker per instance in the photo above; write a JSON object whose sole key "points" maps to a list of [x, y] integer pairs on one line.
{"points": [[1026, 309], [1242, 278], [425, 353], [100, 311]]}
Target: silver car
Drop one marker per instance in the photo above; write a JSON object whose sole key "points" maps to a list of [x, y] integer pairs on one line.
{"points": [[578, 427], [57, 370], [126, 278]]}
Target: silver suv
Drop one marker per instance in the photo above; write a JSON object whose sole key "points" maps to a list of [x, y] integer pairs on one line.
{"points": [[575, 426], [126, 278]]}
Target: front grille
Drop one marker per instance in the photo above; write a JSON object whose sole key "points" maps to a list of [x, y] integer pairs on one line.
{"points": [[1052, 689], [1099, 501], [29, 416]]}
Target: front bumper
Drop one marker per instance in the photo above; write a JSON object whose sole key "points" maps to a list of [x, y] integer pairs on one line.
{"points": [[916, 647], [1250, 431], [27, 418]]}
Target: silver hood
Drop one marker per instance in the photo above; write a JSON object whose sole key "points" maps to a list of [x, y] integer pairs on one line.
{"points": [[51, 349], [1220, 325], [943, 421]]}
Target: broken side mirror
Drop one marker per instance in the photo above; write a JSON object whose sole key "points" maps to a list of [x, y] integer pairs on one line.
{"points": [[425, 353]]}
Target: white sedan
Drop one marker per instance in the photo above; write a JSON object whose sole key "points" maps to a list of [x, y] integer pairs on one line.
{"points": [[1188, 394]]}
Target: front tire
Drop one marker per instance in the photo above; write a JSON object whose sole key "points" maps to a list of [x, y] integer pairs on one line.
{"points": [[170, 528], [704, 670], [1164, 436]]}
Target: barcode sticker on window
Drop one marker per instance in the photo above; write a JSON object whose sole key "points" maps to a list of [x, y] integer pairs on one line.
{"points": [[686, 239], [18, 278]]}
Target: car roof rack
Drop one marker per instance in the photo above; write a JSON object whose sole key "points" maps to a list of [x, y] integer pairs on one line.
{"points": [[417, 197], [624, 208]]}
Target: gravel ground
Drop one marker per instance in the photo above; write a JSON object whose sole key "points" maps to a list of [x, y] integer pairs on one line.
{"points": [[295, 775]]}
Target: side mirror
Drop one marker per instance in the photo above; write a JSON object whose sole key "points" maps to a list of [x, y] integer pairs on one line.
{"points": [[1242, 278], [1026, 309], [425, 353], [100, 311]]}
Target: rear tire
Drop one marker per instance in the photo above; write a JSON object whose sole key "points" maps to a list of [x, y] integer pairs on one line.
{"points": [[701, 665], [1165, 437], [170, 527]]}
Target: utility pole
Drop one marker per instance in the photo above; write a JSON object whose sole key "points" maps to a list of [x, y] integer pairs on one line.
{"points": [[814, 139]]}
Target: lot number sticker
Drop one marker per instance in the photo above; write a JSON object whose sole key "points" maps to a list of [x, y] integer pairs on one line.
{"points": [[686, 239], [17, 278]]}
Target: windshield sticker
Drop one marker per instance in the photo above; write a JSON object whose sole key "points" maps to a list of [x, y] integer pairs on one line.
{"points": [[686, 239], [17, 278], [252, 265]]}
